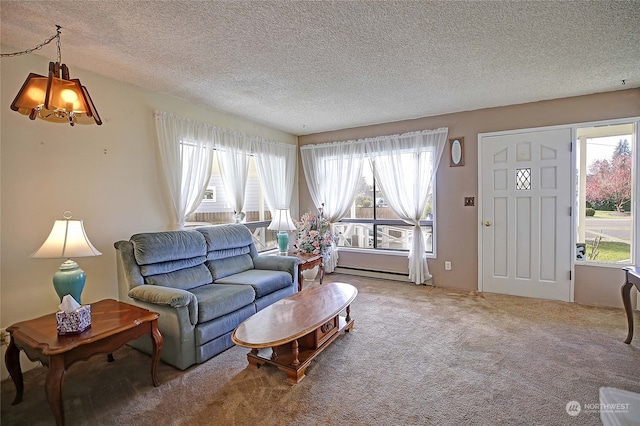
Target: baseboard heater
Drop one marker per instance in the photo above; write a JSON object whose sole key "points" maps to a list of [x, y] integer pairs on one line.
{"points": [[385, 275]]}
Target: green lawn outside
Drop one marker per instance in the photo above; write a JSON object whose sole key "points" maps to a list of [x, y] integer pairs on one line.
{"points": [[609, 251]]}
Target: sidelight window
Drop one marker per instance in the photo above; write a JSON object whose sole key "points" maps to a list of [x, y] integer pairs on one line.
{"points": [[606, 194]]}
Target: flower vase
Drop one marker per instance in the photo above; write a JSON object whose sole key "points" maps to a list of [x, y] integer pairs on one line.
{"points": [[310, 274]]}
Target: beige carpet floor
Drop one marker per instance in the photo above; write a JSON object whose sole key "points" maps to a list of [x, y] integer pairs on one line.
{"points": [[417, 356]]}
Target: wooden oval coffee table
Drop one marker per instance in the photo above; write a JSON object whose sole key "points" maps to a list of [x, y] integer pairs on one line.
{"points": [[294, 330]]}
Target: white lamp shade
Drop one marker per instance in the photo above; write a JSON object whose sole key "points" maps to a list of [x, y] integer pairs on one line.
{"points": [[67, 239], [282, 221]]}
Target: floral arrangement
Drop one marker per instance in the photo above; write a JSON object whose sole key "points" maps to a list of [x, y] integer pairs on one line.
{"points": [[313, 235]]}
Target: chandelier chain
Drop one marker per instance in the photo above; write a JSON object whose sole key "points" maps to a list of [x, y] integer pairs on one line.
{"points": [[59, 57], [38, 47]]}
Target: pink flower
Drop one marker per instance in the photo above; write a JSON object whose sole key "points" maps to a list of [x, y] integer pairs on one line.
{"points": [[314, 235]]}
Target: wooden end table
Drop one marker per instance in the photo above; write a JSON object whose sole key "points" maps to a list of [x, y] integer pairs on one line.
{"points": [[632, 277], [113, 324], [308, 261]]}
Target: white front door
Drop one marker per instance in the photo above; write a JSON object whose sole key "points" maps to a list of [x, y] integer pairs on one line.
{"points": [[526, 228]]}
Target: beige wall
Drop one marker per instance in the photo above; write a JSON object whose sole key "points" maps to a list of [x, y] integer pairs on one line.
{"points": [[457, 238], [109, 176], [106, 175]]}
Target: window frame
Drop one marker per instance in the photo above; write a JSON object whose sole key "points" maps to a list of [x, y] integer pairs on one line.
{"points": [[635, 192], [398, 222]]}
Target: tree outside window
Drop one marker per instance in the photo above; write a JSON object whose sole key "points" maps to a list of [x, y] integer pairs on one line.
{"points": [[609, 180]]}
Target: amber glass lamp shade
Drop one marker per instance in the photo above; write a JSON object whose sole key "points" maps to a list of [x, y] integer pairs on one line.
{"points": [[56, 98]]}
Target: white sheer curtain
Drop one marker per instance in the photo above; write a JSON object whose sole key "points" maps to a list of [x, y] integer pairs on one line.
{"points": [[405, 167], [233, 161], [276, 164], [332, 172], [186, 151]]}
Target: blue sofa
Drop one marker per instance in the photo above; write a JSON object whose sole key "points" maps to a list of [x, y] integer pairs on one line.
{"points": [[203, 282]]}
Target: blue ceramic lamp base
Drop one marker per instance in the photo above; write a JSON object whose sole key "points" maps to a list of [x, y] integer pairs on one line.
{"points": [[283, 242], [69, 279]]}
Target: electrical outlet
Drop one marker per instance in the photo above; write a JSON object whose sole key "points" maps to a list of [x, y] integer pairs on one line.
{"points": [[447, 265]]}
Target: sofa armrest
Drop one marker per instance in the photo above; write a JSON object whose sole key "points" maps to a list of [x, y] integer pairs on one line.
{"points": [[277, 263], [172, 297]]}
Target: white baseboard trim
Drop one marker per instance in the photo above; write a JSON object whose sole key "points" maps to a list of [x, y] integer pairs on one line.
{"points": [[393, 276]]}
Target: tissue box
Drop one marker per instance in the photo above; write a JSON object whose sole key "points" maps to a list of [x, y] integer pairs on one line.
{"points": [[74, 322]]}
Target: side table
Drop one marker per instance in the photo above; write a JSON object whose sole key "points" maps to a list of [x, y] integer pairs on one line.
{"points": [[308, 261], [113, 324], [632, 277]]}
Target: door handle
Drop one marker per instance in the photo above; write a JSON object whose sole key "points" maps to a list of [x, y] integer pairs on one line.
{"points": [[487, 223]]}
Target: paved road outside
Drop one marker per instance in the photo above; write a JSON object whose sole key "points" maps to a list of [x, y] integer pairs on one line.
{"points": [[610, 229]]}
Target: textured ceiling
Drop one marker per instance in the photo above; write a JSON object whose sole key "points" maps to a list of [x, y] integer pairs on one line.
{"points": [[306, 67]]}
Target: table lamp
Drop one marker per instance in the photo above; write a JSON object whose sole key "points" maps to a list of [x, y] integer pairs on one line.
{"points": [[67, 239], [282, 223]]}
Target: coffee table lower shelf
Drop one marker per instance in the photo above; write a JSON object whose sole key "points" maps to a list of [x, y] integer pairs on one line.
{"points": [[293, 358]]}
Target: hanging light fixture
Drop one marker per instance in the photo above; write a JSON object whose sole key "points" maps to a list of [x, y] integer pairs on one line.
{"points": [[55, 98]]}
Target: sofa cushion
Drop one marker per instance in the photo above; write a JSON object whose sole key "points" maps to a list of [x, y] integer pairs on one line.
{"points": [[172, 259], [170, 266], [230, 249], [210, 330], [263, 282], [229, 266], [223, 237], [156, 247], [215, 300], [184, 279]]}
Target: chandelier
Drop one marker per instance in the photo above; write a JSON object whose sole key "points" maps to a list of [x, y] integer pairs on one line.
{"points": [[55, 98]]}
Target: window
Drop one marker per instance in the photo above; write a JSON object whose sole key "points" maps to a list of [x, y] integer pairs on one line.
{"points": [[523, 179], [605, 193], [215, 209], [372, 224]]}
